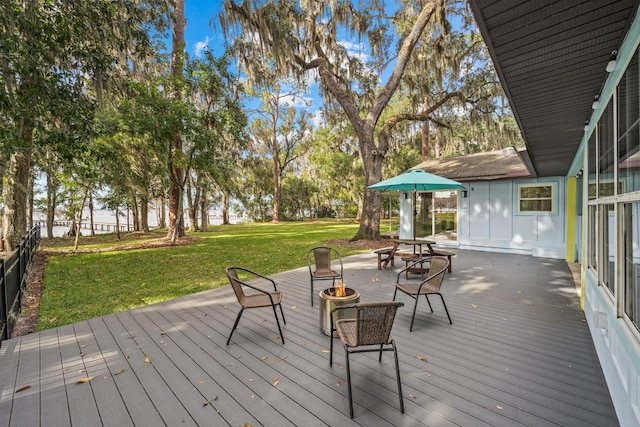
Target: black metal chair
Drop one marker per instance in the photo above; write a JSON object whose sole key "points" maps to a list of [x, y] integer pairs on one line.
{"points": [[320, 259], [429, 286], [369, 331], [252, 296]]}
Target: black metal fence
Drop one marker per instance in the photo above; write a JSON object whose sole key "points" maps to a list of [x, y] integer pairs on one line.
{"points": [[14, 271]]}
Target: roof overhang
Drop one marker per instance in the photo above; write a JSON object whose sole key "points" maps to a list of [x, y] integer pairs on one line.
{"points": [[551, 57]]}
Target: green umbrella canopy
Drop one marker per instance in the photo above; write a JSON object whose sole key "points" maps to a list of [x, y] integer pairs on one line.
{"points": [[417, 180]]}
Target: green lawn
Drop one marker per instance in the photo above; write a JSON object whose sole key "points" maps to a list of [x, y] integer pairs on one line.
{"points": [[82, 285]]}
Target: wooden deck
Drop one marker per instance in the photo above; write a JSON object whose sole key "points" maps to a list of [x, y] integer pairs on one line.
{"points": [[518, 353]]}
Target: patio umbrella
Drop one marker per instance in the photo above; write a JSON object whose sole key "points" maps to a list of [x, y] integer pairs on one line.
{"points": [[417, 180]]}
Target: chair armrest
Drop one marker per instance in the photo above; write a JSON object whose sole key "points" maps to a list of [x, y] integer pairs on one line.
{"points": [[257, 275], [343, 307], [412, 265]]}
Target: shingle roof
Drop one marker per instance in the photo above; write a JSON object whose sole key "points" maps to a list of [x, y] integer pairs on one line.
{"points": [[492, 165]]}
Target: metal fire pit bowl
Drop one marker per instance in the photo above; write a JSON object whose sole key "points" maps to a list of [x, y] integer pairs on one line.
{"points": [[328, 302]]}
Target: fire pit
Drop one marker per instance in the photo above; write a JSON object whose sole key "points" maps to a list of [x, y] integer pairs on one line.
{"points": [[331, 298]]}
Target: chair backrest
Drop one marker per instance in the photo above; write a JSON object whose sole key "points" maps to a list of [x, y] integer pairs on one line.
{"points": [[236, 284], [437, 270], [374, 322], [321, 257]]}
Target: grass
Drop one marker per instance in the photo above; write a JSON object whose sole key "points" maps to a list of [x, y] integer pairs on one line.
{"points": [[109, 275]]}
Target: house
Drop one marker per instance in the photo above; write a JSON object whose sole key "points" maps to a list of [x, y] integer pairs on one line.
{"points": [[503, 207], [571, 71]]}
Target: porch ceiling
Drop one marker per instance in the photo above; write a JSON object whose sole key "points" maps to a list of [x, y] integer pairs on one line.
{"points": [[551, 57]]}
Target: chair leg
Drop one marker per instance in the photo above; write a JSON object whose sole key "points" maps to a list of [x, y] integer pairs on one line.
{"points": [[235, 324], [395, 354], [380, 357], [346, 352], [394, 294], [331, 348], [275, 313], [413, 316], [428, 302], [282, 312], [445, 308], [311, 292]]}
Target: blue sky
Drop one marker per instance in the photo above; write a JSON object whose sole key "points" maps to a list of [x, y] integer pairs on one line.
{"points": [[203, 30], [199, 32]]}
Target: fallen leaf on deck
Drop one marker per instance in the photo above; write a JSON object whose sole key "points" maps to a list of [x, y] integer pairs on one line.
{"points": [[23, 388], [84, 380], [424, 359], [324, 350], [147, 360], [412, 396], [275, 382], [339, 384], [499, 407], [474, 306], [293, 307], [247, 425], [119, 372], [263, 358]]}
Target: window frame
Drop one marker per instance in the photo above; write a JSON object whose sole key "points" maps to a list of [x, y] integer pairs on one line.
{"points": [[552, 198]]}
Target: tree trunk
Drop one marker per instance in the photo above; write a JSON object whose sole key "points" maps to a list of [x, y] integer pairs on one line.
{"points": [[225, 208], [144, 213], [135, 213], [176, 173], [161, 213], [276, 182], [204, 210], [438, 146], [370, 216], [52, 189], [93, 232], [118, 223], [426, 133], [30, 202], [16, 194], [191, 204]]}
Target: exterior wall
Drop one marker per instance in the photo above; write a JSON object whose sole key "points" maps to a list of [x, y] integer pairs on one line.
{"points": [[488, 219], [618, 351], [617, 342]]}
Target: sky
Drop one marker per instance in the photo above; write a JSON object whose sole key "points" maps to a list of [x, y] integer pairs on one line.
{"points": [[203, 31], [200, 33]]}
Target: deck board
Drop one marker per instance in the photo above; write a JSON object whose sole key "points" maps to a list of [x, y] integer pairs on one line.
{"points": [[52, 394], [518, 353]]}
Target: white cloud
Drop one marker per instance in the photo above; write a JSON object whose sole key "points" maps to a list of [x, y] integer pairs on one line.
{"points": [[357, 50], [201, 46], [318, 119], [297, 101]]}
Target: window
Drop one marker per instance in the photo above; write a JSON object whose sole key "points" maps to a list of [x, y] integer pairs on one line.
{"points": [[607, 246], [612, 178], [536, 198], [631, 295], [629, 129], [606, 162]]}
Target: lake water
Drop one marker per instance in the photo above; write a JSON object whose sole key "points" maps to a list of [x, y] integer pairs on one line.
{"points": [[103, 216]]}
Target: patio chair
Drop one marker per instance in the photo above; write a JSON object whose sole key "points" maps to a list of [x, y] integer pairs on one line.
{"points": [[369, 331], [320, 259], [429, 286], [253, 296]]}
